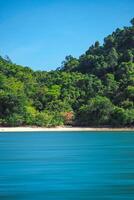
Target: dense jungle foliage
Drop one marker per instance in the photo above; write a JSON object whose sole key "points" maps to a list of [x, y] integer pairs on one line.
{"points": [[96, 89]]}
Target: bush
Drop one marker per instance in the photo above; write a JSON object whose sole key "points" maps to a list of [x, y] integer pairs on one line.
{"points": [[43, 119], [15, 120], [30, 114], [96, 112], [122, 117]]}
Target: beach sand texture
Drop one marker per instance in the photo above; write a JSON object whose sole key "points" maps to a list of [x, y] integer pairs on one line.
{"points": [[62, 129]]}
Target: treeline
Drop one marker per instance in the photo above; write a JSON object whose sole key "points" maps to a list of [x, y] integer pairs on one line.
{"points": [[96, 89]]}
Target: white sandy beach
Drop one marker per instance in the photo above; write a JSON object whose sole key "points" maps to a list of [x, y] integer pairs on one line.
{"points": [[62, 129]]}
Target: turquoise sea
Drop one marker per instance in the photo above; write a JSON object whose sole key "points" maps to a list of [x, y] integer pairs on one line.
{"points": [[67, 166]]}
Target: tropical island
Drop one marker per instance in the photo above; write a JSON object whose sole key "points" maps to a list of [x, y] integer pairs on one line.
{"points": [[94, 90]]}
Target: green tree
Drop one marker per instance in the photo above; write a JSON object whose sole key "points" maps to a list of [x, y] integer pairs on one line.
{"points": [[96, 112], [132, 21], [122, 117], [70, 63]]}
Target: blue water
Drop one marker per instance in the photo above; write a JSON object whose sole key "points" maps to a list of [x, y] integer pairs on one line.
{"points": [[67, 166]]}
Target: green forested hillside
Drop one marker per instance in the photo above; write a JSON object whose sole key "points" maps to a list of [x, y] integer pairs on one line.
{"points": [[95, 89]]}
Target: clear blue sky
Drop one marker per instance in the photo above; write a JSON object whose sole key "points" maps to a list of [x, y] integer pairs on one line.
{"points": [[40, 33]]}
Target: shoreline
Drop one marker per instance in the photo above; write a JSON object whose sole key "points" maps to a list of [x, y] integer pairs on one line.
{"points": [[60, 129]]}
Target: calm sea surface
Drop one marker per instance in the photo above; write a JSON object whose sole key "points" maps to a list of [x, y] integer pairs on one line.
{"points": [[67, 166]]}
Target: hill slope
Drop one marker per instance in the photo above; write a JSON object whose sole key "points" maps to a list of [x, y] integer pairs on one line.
{"points": [[96, 89]]}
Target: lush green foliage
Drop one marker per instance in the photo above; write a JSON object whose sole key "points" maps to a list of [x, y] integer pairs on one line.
{"points": [[95, 89]]}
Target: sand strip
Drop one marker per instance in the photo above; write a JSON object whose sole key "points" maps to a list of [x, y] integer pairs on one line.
{"points": [[43, 129]]}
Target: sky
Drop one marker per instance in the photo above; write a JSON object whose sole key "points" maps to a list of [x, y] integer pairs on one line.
{"points": [[41, 33]]}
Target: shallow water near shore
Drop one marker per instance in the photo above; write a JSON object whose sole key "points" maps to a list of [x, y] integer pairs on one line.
{"points": [[69, 166]]}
